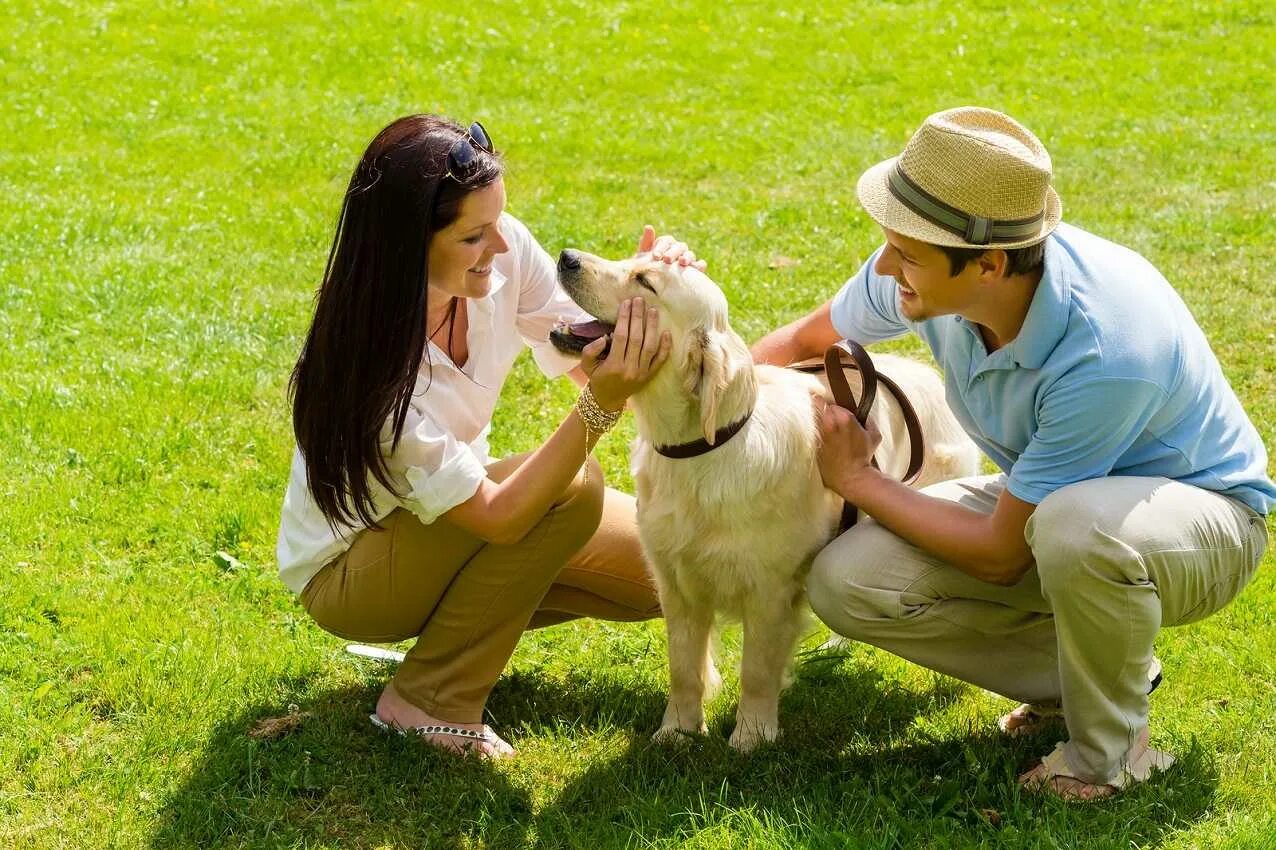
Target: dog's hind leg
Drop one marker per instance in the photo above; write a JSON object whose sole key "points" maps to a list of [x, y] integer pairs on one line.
{"points": [[691, 670], [771, 630]]}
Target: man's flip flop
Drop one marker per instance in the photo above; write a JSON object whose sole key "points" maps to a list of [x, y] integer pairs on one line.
{"points": [[1028, 718], [1138, 766]]}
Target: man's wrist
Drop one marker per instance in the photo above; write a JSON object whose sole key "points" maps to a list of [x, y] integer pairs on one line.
{"points": [[855, 485]]}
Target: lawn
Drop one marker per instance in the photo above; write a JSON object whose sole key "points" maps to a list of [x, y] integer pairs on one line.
{"points": [[172, 173]]}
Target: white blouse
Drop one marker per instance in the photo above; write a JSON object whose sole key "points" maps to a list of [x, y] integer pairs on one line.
{"points": [[442, 453]]}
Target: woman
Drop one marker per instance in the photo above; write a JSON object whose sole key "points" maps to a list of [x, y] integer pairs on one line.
{"points": [[397, 524]]}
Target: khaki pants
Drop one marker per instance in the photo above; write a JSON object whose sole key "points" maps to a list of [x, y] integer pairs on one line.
{"points": [[1116, 559], [467, 601]]}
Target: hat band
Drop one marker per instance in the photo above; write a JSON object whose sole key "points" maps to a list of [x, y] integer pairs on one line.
{"points": [[976, 230]]}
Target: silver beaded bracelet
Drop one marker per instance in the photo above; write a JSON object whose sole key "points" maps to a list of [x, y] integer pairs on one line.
{"points": [[596, 420]]}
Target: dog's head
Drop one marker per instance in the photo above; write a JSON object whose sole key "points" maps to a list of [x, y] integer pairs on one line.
{"points": [[706, 352]]}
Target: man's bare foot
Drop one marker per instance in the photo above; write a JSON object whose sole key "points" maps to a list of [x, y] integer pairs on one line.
{"points": [[1052, 775], [398, 713], [1064, 787]]}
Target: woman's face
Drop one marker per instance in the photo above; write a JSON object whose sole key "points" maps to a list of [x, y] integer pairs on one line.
{"points": [[460, 262]]}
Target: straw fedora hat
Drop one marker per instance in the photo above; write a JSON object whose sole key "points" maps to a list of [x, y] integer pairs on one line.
{"points": [[968, 178]]}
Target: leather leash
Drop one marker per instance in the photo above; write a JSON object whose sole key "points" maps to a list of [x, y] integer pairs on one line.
{"points": [[839, 357], [851, 355]]}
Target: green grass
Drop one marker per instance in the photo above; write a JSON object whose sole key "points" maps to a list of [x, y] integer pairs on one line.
{"points": [[171, 175]]}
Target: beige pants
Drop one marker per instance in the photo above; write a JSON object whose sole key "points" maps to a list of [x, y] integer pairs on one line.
{"points": [[467, 601], [1116, 559]]}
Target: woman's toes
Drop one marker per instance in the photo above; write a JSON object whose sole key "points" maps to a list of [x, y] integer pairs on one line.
{"points": [[496, 746]]}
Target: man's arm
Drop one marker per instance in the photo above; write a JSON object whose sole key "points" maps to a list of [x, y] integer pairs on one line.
{"points": [[809, 336], [989, 547]]}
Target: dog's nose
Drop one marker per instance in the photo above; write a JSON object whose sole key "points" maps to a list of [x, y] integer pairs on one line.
{"points": [[569, 261]]}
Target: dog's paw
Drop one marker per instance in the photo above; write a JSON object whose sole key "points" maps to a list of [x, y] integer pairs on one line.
{"points": [[672, 735], [748, 735]]}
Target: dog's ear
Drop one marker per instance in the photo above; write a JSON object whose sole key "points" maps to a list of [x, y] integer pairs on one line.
{"points": [[708, 375]]}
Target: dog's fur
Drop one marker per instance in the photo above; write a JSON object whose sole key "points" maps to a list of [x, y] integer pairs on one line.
{"points": [[734, 531]]}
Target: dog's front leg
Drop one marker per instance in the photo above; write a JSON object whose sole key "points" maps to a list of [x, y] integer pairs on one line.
{"points": [[690, 668], [770, 632]]}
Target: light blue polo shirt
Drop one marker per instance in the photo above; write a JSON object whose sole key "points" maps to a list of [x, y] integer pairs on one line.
{"points": [[1110, 375]]}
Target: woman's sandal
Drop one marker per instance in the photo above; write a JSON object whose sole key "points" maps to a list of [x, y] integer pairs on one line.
{"points": [[1140, 761], [472, 741], [1030, 717]]}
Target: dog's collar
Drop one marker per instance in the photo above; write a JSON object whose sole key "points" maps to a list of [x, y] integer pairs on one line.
{"points": [[703, 446]]}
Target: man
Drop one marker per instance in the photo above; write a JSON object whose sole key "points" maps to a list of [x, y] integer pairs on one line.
{"points": [[1135, 486]]}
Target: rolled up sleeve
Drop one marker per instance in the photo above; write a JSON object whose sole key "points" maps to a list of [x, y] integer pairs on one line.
{"points": [[435, 472], [541, 301], [866, 308]]}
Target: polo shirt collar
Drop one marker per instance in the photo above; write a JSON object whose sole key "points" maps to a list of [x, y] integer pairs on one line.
{"points": [[1047, 319]]}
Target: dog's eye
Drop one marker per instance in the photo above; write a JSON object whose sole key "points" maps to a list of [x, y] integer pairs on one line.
{"points": [[641, 280]]}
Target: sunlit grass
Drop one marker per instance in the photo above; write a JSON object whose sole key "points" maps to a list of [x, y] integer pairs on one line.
{"points": [[171, 175]]}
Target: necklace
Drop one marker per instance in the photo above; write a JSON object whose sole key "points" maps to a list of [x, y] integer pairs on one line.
{"points": [[450, 321]]}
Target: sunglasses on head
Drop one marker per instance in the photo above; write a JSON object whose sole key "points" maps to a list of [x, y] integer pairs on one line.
{"points": [[464, 154]]}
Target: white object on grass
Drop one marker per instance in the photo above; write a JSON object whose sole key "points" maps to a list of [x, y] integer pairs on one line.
{"points": [[374, 652]]}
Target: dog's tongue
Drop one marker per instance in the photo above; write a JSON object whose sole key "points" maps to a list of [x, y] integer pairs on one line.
{"points": [[591, 330], [572, 338]]}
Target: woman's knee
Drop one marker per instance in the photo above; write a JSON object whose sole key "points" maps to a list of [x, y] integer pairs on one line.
{"points": [[584, 495], [575, 516]]}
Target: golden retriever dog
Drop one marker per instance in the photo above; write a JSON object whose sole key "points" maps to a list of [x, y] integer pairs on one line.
{"points": [[732, 532]]}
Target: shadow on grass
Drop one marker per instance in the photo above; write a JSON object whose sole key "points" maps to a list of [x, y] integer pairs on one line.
{"points": [[851, 771], [334, 780], [337, 781]]}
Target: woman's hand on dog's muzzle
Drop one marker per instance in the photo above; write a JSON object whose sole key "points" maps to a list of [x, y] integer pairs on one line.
{"points": [[637, 350]]}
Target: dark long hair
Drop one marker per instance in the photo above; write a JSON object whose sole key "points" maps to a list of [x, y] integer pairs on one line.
{"points": [[361, 357]]}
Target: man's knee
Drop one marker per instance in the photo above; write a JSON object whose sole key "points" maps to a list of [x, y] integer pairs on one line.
{"points": [[840, 586], [826, 589], [1064, 532]]}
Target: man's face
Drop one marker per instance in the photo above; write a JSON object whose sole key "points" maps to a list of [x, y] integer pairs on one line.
{"points": [[927, 287]]}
